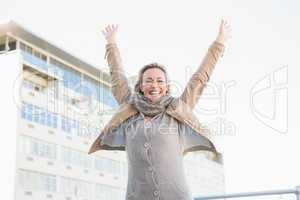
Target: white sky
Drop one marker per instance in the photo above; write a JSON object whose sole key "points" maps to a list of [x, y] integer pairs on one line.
{"points": [[177, 34]]}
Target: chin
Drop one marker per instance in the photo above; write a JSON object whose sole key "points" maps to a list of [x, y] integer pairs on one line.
{"points": [[154, 99]]}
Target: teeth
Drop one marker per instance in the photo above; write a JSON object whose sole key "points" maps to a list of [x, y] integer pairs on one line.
{"points": [[154, 92]]}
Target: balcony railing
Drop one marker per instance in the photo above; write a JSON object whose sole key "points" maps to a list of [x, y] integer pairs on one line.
{"points": [[295, 191]]}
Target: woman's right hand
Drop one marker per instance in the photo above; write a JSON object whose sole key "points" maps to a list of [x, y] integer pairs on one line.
{"points": [[224, 32], [110, 33]]}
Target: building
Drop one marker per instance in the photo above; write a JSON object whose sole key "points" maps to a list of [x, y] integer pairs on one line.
{"points": [[60, 105]]}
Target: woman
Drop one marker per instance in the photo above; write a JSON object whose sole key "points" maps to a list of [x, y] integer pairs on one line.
{"points": [[154, 128]]}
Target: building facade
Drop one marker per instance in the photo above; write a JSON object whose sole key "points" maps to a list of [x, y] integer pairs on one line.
{"points": [[63, 103]]}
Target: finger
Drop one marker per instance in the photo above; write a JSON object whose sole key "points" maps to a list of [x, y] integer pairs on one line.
{"points": [[115, 27], [103, 32], [109, 28], [225, 23], [222, 22]]}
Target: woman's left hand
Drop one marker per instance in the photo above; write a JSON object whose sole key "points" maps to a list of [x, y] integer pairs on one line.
{"points": [[224, 32]]}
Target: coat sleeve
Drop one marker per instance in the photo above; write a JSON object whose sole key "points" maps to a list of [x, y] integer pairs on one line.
{"points": [[199, 79], [120, 85]]}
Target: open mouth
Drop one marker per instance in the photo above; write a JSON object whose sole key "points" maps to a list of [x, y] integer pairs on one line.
{"points": [[154, 93]]}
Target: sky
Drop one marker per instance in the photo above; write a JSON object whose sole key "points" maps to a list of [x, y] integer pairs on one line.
{"points": [[252, 99]]}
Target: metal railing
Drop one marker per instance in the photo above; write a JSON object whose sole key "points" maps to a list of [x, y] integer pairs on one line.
{"points": [[295, 191]]}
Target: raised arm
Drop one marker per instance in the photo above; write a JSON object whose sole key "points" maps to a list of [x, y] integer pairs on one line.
{"points": [[199, 79], [120, 86]]}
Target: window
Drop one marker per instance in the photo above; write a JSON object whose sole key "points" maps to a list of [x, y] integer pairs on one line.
{"points": [[49, 119], [107, 192], [43, 116], [35, 147], [32, 51], [30, 180], [54, 120], [37, 54], [84, 130], [32, 86], [28, 49], [65, 124], [27, 84], [23, 111], [36, 116], [29, 112], [39, 115], [71, 77], [43, 57], [77, 188], [77, 158], [108, 165], [40, 56], [22, 46], [48, 183]]}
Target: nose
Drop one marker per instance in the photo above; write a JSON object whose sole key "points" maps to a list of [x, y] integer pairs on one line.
{"points": [[154, 84]]}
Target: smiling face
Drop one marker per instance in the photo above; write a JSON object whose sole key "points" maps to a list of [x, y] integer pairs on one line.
{"points": [[154, 84]]}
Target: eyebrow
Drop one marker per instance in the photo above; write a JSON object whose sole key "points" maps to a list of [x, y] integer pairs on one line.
{"points": [[156, 78]]}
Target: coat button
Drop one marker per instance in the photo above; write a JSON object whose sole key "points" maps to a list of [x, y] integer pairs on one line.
{"points": [[156, 192], [146, 145], [150, 169]]}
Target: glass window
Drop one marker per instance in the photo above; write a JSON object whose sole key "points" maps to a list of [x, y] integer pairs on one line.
{"points": [[108, 165], [44, 58], [29, 49], [22, 46], [23, 110], [30, 180], [107, 192], [66, 155], [75, 157], [65, 124], [29, 112], [75, 188], [48, 183], [37, 54], [54, 120], [36, 117], [42, 116], [37, 147], [49, 119]]}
